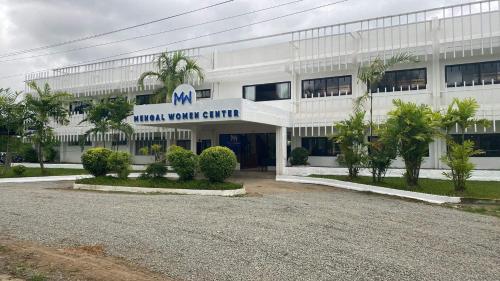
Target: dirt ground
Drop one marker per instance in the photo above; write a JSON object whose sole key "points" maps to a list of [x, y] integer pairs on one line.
{"points": [[21, 260]]}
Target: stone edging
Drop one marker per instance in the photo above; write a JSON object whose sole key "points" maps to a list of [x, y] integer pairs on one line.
{"points": [[146, 190], [430, 198]]}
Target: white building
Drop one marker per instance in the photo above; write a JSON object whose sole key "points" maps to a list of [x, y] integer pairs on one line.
{"points": [[265, 96]]}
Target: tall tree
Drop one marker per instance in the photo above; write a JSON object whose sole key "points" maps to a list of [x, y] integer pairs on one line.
{"points": [[412, 128], [351, 139], [173, 69], [45, 107], [460, 114], [12, 117], [120, 108], [372, 74], [108, 115]]}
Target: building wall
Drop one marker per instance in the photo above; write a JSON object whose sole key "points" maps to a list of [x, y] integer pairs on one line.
{"points": [[441, 38]]}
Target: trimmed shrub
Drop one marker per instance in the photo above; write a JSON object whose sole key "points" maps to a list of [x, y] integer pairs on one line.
{"points": [[217, 163], [183, 162], [29, 155], [299, 156], [119, 162], [50, 154], [156, 170], [19, 170], [95, 161]]}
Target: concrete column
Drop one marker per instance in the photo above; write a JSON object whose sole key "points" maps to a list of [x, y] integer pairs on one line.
{"points": [[436, 148], [281, 144], [194, 138]]}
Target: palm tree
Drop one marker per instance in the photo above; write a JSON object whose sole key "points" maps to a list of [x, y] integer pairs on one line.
{"points": [[43, 108], [12, 116], [460, 113], [173, 69], [373, 73], [108, 115]]}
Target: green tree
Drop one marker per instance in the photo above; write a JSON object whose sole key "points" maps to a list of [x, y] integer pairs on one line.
{"points": [[44, 108], [120, 108], [382, 152], [12, 117], [351, 139], [412, 128], [108, 115], [373, 73], [173, 69], [460, 114]]}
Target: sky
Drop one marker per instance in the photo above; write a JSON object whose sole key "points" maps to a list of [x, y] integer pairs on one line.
{"points": [[28, 24]]}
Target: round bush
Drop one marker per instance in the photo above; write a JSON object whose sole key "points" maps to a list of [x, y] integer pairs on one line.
{"points": [[156, 170], [183, 162], [299, 156], [119, 162], [19, 170], [29, 154], [95, 161], [217, 163]]}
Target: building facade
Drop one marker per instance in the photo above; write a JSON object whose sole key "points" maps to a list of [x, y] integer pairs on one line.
{"points": [[264, 96]]}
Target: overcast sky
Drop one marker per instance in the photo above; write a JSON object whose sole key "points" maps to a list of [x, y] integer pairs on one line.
{"points": [[26, 24]]}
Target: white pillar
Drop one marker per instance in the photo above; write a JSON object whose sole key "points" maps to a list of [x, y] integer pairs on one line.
{"points": [[436, 149], [194, 138], [281, 144]]}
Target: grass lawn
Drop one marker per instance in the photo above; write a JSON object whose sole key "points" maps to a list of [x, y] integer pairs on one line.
{"points": [[36, 172], [160, 183], [475, 189]]}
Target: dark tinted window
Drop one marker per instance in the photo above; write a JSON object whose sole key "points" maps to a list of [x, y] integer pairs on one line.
{"points": [[78, 107], [402, 80], [320, 146], [203, 94], [267, 92], [327, 87], [473, 73], [143, 99], [488, 143]]}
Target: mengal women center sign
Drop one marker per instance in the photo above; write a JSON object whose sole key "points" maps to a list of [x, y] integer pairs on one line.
{"points": [[184, 97]]}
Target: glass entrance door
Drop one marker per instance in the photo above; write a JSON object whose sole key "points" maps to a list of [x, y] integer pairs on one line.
{"points": [[252, 150]]}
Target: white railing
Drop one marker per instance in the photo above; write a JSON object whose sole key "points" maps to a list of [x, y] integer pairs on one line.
{"points": [[463, 28]]}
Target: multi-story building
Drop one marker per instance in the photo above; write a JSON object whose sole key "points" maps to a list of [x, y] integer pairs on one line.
{"points": [[264, 96]]}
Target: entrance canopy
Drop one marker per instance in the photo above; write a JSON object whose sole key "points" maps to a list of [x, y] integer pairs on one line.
{"points": [[205, 112]]}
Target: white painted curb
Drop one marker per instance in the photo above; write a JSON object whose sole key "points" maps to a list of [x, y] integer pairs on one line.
{"points": [[66, 178], [146, 190], [430, 198]]}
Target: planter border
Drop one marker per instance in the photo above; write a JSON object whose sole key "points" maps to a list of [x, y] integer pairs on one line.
{"points": [[426, 197], [150, 190]]}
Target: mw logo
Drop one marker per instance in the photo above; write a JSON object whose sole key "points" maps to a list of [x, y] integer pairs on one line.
{"points": [[182, 98]]}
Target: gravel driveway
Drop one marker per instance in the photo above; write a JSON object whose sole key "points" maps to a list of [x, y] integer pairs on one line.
{"points": [[280, 232]]}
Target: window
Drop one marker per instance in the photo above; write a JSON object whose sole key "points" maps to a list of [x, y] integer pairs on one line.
{"points": [[119, 142], [143, 99], [148, 143], [488, 143], [77, 143], [402, 80], [321, 146], [202, 145], [473, 73], [327, 87], [78, 107], [186, 144], [267, 92], [203, 94]]}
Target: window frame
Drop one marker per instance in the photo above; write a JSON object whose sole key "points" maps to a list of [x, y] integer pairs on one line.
{"points": [[264, 84], [202, 97], [396, 81], [325, 81], [480, 74], [334, 145]]}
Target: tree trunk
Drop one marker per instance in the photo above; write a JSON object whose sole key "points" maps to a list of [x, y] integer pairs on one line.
{"points": [[40, 159]]}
